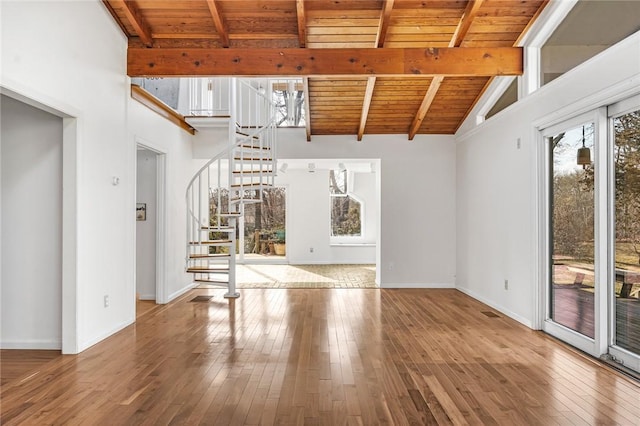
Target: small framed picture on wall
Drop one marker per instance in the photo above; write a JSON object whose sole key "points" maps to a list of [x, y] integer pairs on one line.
{"points": [[141, 211]]}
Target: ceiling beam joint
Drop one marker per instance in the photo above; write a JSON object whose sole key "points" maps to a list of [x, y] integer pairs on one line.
{"points": [[218, 21], [368, 94], [465, 23], [424, 107], [385, 17], [473, 6], [134, 16], [302, 23]]}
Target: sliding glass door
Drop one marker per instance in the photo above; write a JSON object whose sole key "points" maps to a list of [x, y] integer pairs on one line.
{"points": [[624, 120], [592, 232], [572, 233], [573, 282]]}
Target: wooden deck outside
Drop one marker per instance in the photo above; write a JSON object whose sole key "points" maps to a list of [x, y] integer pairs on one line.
{"points": [[330, 356], [573, 302]]}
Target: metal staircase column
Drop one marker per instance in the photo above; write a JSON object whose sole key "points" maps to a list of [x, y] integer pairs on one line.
{"points": [[234, 105]]}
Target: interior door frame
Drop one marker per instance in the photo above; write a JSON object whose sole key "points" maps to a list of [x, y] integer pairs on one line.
{"points": [[161, 218], [72, 138]]}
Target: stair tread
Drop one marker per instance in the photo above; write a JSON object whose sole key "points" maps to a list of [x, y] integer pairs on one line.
{"points": [[210, 242], [253, 159], [238, 185], [207, 270], [252, 171], [246, 135], [209, 256], [217, 229], [263, 148]]}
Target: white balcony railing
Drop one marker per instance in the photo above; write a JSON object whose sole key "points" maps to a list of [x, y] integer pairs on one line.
{"points": [[209, 97]]}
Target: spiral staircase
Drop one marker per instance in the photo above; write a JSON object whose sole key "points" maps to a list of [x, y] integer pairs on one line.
{"points": [[236, 176]]}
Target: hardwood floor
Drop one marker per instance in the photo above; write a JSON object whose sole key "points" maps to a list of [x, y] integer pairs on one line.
{"points": [[18, 364], [330, 356]]}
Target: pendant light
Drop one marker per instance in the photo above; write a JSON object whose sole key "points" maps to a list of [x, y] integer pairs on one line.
{"points": [[584, 153]]}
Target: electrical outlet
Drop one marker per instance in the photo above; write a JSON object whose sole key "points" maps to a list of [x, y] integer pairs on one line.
{"points": [[506, 284], [518, 143], [310, 249], [106, 300]]}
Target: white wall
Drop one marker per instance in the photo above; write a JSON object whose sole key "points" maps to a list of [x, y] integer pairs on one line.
{"points": [[31, 314], [209, 142], [146, 175], [496, 182], [309, 220], [418, 180], [71, 57]]}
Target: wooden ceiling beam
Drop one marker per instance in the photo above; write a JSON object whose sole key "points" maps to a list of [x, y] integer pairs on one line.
{"points": [[469, 15], [115, 17], [461, 31], [385, 17], [368, 94], [302, 22], [425, 105], [132, 12], [218, 22], [307, 110], [416, 62]]}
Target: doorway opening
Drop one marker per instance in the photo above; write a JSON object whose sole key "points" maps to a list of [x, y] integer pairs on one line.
{"points": [[150, 228], [32, 218]]}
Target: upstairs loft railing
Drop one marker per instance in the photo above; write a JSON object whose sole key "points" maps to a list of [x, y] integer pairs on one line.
{"points": [[209, 97]]}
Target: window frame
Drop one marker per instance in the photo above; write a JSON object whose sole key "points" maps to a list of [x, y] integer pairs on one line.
{"points": [[346, 239]]}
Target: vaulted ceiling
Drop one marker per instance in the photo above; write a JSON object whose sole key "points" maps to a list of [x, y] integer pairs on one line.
{"points": [[369, 66]]}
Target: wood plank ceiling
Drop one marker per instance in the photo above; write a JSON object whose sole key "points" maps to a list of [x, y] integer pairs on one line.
{"points": [[357, 99]]}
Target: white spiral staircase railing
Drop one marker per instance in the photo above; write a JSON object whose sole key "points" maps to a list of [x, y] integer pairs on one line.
{"points": [[238, 175]]}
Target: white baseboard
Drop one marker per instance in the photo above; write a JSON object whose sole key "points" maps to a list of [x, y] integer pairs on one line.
{"points": [[181, 291], [416, 285], [44, 344], [147, 297], [87, 344], [522, 320]]}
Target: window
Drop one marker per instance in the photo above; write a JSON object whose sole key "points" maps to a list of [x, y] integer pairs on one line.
{"points": [[288, 97], [346, 210], [581, 34], [509, 97]]}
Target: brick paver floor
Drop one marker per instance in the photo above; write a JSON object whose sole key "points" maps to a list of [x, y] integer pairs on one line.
{"points": [[306, 276]]}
